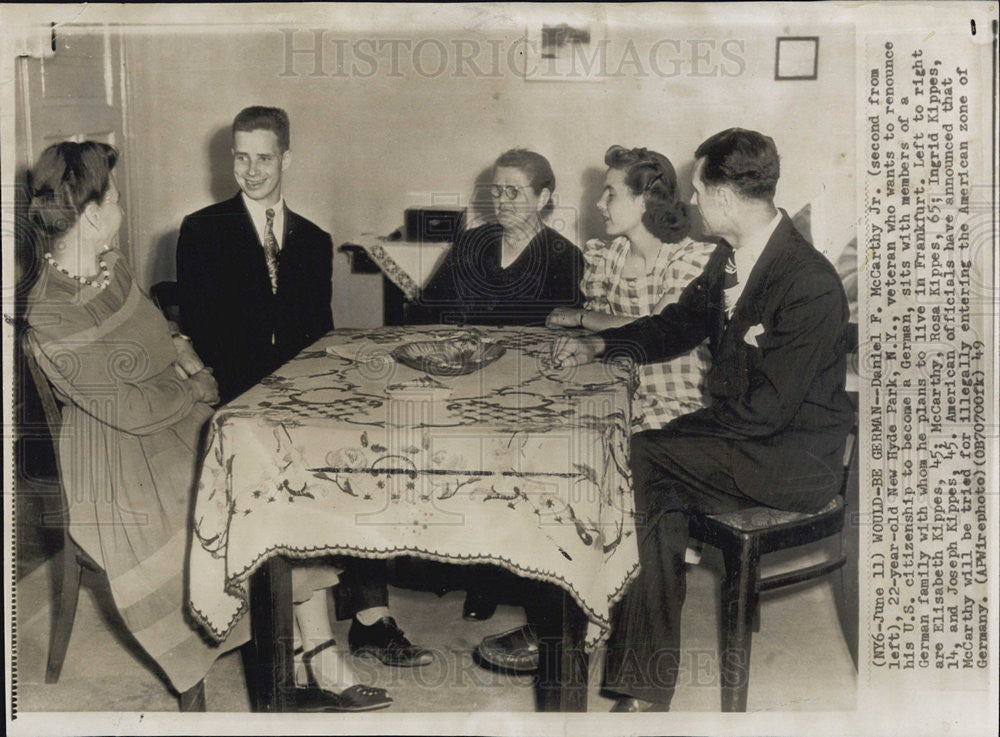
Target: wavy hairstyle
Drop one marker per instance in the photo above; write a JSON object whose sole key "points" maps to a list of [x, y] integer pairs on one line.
{"points": [[67, 178], [651, 175]]}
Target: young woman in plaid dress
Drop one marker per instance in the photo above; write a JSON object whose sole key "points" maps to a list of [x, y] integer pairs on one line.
{"points": [[646, 266]]}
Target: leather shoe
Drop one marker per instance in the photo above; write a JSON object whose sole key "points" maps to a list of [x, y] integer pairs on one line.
{"points": [[313, 697], [386, 642], [354, 699], [627, 704], [514, 650], [478, 606]]}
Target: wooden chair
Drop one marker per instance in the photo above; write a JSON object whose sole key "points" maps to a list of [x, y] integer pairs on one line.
{"points": [[74, 559], [743, 537]]}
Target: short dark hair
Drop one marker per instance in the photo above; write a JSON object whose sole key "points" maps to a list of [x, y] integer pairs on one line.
{"points": [[68, 177], [537, 169], [651, 175], [258, 117], [746, 160]]}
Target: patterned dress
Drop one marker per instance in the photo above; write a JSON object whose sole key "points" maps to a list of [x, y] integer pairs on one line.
{"points": [[672, 388], [128, 454]]}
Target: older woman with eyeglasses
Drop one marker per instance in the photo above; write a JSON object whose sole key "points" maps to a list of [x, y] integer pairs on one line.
{"points": [[514, 271]]}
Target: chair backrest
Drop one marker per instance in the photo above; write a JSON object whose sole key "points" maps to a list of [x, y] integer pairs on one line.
{"points": [[50, 405], [850, 456], [53, 418]]}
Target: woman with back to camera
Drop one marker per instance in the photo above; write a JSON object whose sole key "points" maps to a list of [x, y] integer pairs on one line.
{"points": [[135, 399]]}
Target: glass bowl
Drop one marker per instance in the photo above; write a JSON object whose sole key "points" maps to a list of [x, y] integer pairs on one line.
{"points": [[449, 357]]}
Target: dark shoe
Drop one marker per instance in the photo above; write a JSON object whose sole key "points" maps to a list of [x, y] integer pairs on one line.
{"points": [[515, 650], [478, 606], [385, 641], [630, 704], [313, 697]]}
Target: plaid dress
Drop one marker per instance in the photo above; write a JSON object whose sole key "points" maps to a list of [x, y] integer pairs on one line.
{"points": [[672, 388]]}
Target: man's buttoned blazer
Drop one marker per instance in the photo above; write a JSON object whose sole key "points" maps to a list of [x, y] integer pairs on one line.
{"points": [[227, 305], [778, 369]]}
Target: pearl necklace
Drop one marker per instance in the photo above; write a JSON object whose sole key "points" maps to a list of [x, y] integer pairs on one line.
{"points": [[98, 284]]}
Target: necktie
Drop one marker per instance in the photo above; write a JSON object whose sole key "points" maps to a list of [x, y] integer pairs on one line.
{"points": [[271, 249], [730, 286]]}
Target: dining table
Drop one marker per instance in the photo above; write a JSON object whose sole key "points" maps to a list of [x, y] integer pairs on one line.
{"points": [[352, 448]]}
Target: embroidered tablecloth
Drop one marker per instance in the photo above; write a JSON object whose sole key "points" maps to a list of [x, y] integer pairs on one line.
{"points": [[345, 451]]}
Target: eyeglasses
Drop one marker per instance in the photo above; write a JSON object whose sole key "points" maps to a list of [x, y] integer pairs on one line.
{"points": [[497, 191]]}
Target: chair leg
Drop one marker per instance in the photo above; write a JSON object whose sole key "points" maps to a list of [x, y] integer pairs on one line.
{"points": [[62, 622], [739, 602], [194, 698]]}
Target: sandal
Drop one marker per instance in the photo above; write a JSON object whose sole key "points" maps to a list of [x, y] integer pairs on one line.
{"points": [[313, 697]]}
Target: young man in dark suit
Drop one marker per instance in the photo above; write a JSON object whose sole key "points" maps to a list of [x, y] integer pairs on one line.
{"points": [[255, 281], [775, 314], [254, 278]]}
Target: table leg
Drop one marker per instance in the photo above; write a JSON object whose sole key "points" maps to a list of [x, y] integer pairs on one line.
{"points": [[574, 659], [271, 626], [562, 663]]}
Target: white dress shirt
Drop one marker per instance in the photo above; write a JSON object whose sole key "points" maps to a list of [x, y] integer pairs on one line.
{"points": [[258, 214], [746, 255]]}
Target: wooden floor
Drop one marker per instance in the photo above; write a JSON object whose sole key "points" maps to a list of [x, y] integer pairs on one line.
{"points": [[800, 661]]}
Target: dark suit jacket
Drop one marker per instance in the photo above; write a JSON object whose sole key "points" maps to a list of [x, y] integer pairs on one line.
{"points": [[227, 307], [779, 399]]}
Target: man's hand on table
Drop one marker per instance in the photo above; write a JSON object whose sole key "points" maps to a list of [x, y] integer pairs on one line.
{"points": [[574, 351]]}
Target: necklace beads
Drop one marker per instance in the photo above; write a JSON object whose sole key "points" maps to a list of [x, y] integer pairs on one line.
{"points": [[99, 283]]}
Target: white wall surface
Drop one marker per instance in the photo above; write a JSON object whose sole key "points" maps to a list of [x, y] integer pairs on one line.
{"points": [[377, 139]]}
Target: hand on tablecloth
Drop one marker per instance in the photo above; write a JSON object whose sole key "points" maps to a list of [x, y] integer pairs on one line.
{"points": [[565, 317], [568, 352]]}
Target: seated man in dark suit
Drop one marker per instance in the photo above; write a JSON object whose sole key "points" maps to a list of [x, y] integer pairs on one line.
{"points": [[254, 282], [775, 314]]}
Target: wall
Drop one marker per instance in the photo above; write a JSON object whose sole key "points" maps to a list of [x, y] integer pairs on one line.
{"points": [[377, 139]]}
